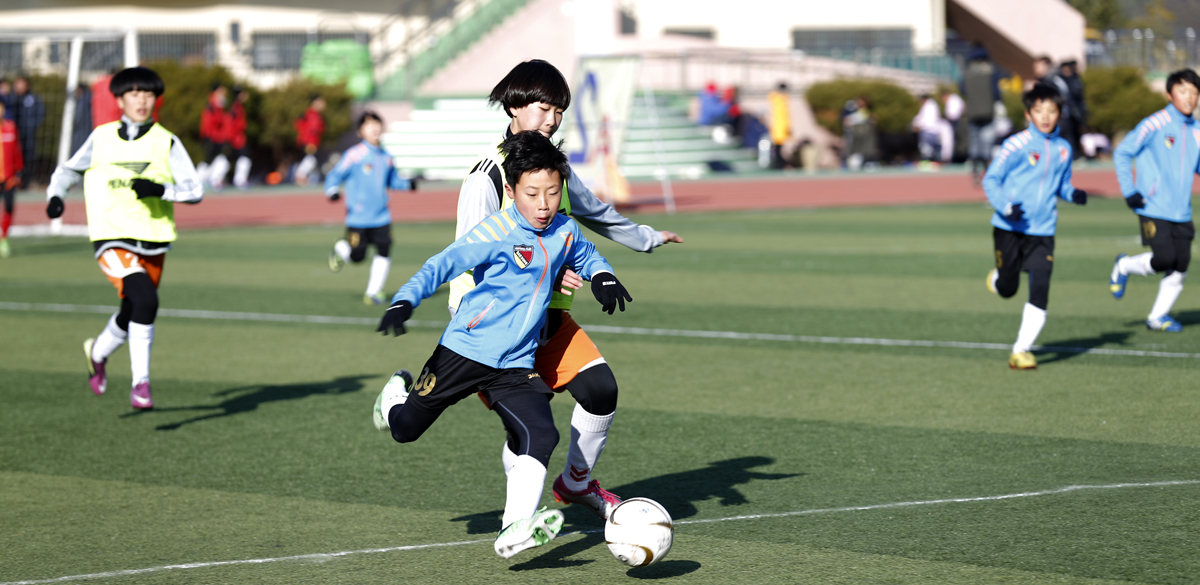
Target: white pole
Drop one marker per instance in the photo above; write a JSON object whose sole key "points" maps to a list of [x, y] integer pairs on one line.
{"points": [[659, 155], [131, 48], [68, 123]]}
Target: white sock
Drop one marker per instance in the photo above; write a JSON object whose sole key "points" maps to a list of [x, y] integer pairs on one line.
{"points": [[380, 265], [241, 171], [1168, 293], [589, 434], [218, 170], [109, 340], [508, 458], [1031, 325], [307, 165], [526, 480], [1139, 265], [141, 337], [342, 249]]}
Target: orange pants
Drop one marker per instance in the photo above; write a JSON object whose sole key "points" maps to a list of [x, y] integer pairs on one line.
{"points": [[117, 263], [564, 354]]}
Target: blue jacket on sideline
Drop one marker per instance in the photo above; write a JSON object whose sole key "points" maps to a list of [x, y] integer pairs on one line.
{"points": [[1033, 168], [1166, 146], [368, 173], [515, 269]]}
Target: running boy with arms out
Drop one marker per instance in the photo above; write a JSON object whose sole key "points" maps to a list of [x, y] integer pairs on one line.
{"points": [[489, 345], [1023, 183], [1166, 146], [133, 171], [367, 172], [535, 95]]}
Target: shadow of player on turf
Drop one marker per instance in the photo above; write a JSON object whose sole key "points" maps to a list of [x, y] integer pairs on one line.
{"points": [[248, 398], [1186, 318], [1065, 349]]}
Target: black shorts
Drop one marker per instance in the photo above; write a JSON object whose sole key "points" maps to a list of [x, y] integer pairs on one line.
{"points": [[1017, 252], [380, 237], [1159, 232], [449, 377]]}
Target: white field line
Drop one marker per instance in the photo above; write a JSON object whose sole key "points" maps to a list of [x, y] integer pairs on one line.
{"points": [[329, 320], [328, 556]]}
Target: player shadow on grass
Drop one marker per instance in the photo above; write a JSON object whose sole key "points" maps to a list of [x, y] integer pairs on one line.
{"points": [[243, 401], [1065, 349], [1188, 317], [675, 491]]}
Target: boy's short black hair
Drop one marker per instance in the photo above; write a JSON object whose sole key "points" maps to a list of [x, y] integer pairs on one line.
{"points": [[135, 79], [367, 115], [527, 152], [1042, 92], [531, 81], [1183, 76]]}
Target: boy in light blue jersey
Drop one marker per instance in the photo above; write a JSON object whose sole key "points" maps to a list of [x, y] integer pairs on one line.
{"points": [[367, 172], [515, 256], [1166, 146], [1023, 184]]}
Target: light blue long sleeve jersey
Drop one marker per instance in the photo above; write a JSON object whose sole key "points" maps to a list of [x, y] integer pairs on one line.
{"points": [[515, 267], [1166, 146], [1033, 169], [368, 173]]}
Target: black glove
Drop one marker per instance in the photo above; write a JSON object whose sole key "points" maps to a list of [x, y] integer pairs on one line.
{"points": [[145, 188], [1015, 213], [412, 183], [54, 209], [1135, 201], [610, 292], [1079, 197], [394, 318], [335, 196]]}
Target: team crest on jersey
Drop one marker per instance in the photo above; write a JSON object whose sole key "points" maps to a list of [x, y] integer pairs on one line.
{"points": [[522, 255], [367, 169], [1034, 157], [1170, 141]]}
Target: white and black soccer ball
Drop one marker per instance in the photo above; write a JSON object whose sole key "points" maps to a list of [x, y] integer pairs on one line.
{"points": [[639, 532]]}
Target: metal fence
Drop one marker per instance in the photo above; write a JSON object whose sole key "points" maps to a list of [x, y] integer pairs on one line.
{"points": [[1145, 49]]}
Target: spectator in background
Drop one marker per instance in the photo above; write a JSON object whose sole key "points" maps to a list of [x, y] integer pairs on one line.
{"points": [[214, 136], [862, 146], [237, 137], [1069, 72], [104, 103], [733, 110], [1094, 144], [935, 137], [6, 97], [10, 174], [953, 107], [712, 110], [310, 128], [1043, 70], [981, 87], [779, 123], [29, 111], [81, 124]]}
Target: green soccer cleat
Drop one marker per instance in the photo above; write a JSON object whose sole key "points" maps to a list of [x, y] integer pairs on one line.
{"points": [[335, 261], [5, 251], [376, 299], [529, 532], [1022, 361], [991, 281], [393, 393]]}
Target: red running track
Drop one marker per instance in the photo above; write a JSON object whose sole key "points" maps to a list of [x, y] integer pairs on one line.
{"points": [[308, 206]]}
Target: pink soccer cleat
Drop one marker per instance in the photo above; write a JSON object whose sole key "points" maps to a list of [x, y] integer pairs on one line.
{"points": [[601, 502], [140, 398], [97, 379]]}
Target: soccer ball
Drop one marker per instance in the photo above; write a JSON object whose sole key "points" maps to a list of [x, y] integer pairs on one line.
{"points": [[639, 532]]}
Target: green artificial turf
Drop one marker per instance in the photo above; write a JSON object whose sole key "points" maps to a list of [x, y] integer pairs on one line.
{"points": [[794, 457]]}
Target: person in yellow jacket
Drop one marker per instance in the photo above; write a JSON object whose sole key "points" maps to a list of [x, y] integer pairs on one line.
{"points": [[133, 172], [779, 123]]}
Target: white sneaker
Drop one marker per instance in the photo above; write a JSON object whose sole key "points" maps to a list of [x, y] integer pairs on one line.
{"points": [[393, 393], [529, 532]]}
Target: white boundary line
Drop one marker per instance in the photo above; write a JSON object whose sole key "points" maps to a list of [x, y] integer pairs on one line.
{"points": [[329, 320], [327, 556]]}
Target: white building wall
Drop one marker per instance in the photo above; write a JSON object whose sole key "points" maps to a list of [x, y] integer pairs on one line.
{"points": [[768, 24]]}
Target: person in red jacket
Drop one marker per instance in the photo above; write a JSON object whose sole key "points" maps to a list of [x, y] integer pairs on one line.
{"points": [[237, 137], [11, 165], [310, 127], [214, 135]]}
